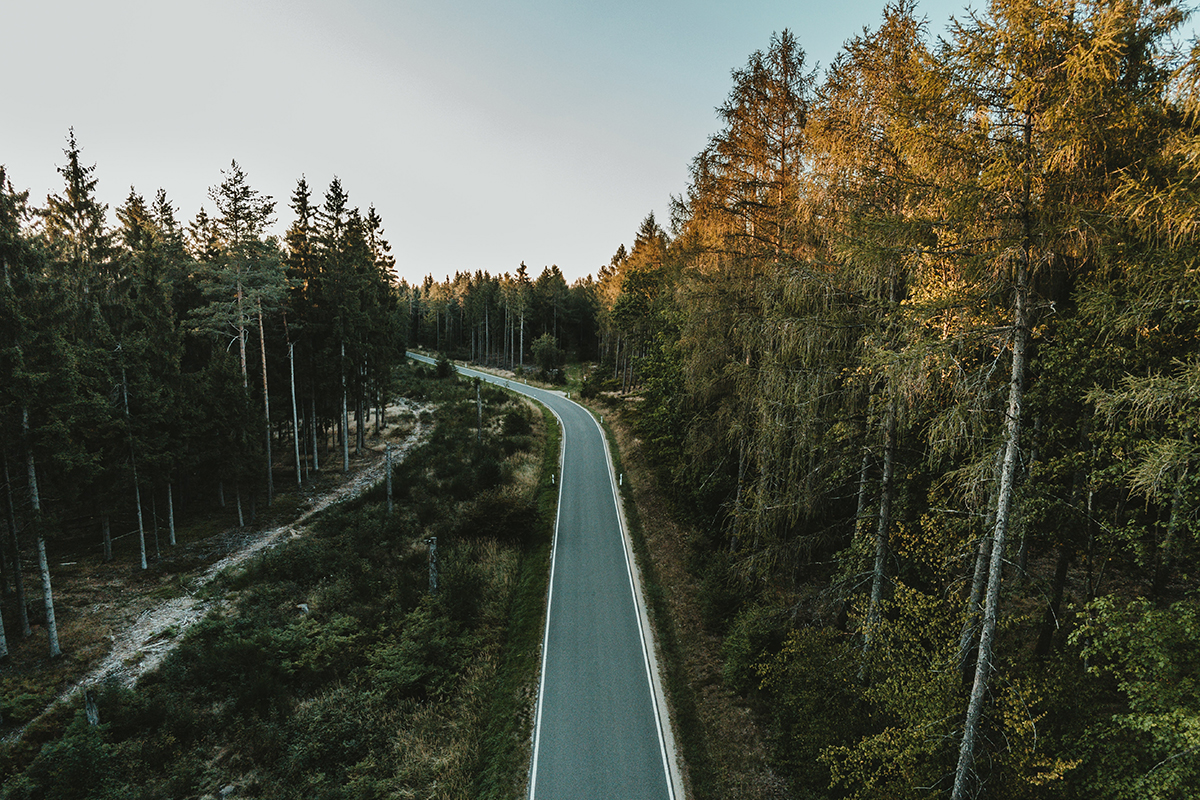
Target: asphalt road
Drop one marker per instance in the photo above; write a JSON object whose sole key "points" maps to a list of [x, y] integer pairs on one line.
{"points": [[601, 729]]}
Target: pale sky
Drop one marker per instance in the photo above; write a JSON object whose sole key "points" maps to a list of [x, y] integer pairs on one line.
{"points": [[485, 133]]}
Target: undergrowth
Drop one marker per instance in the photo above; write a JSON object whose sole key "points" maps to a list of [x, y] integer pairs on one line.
{"points": [[336, 672]]}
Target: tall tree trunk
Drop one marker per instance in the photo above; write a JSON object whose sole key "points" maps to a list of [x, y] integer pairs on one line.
{"points": [[241, 330], [106, 533], [983, 550], [295, 411], [883, 522], [47, 596], [137, 494], [35, 503], [312, 399], [360, 414], [1004, 502], [3, 645], [262, 346], [22, 607], [137, 489], [170, 514], [860, 514], [968, 636], [345, 418], [154, 520], [387, 449], [241, 517]]}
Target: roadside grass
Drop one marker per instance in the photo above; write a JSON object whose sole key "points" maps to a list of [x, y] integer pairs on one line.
{"points": [[507, 738], [337, 673]]}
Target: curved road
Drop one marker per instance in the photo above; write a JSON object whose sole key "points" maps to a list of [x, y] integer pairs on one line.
{"points": [[601, 729]]}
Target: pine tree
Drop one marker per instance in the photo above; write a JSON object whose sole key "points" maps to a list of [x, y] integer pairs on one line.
{"points": [[74, 227], [247, 274]]}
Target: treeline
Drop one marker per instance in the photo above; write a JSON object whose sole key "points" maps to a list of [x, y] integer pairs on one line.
{"points": [[157, 367], [919, 355], [496, 319]]}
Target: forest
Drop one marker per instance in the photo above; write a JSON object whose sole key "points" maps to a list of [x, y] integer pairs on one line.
{"points": [[138, 362], [918, 360], [915, 358]]}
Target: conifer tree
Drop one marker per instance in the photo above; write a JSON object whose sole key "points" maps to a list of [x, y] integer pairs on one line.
{"points": [[74, 228]]}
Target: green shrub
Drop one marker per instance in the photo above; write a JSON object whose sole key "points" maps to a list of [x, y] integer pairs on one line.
{"points": [[424, 661], [70, 767], [813, 694], [515, 423], [23, 708], [755, 634]]}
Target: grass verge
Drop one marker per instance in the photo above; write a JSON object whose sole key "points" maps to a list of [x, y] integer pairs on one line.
{"points": [[507, 739]]}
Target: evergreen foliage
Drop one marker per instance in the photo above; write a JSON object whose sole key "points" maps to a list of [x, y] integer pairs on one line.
{"points": [[127, 354], [917, 361]]}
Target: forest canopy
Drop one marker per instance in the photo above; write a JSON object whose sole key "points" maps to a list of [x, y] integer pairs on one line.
{"points": [[917, 358], [138, 359]]}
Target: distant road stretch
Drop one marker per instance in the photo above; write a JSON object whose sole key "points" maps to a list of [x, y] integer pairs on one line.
{"points": [[601, 731]]}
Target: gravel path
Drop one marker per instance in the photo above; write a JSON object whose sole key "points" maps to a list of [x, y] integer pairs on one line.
{"points": [[142, 645]]}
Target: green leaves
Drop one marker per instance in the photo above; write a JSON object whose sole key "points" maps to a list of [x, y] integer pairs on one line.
{"points": [[1151, 748]]}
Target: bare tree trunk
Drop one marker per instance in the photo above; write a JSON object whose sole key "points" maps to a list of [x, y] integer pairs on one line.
{"points": [[241, 517], [241, 329], [388, 455], [295, 411], [361, 414], [106, 532], [316, 462], [983, 551], [221, 492], [883, 522], [22, 608], [345, 419], [3, 643], [969, 633], [860, 514], [35, 503], [137, 489], [170, 514], [48, 596], [137, 494], [1016, 391], [154, 520], [262, 346]]}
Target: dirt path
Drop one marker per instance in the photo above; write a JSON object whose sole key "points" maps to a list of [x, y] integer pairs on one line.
{"points": [[145, 630]]}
